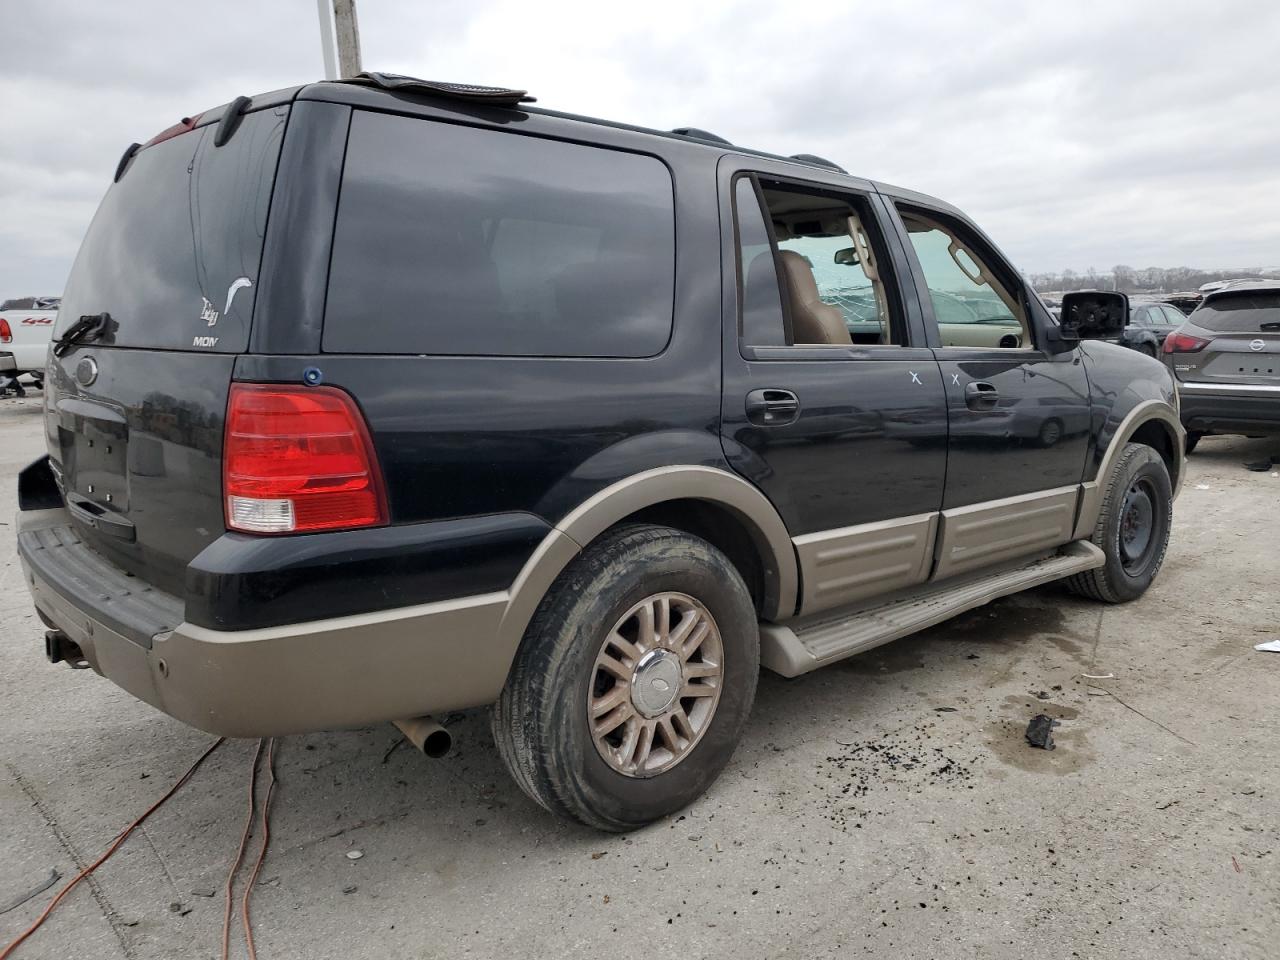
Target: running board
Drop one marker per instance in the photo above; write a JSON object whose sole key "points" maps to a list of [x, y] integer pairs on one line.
{"points": [[807, 643]]}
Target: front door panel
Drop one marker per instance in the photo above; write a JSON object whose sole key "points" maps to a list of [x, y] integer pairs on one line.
{"points": [[1030, 435]]}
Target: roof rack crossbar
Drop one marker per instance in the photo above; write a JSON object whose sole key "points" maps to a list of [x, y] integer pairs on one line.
{"points": [[694, 133], [818, 161]]}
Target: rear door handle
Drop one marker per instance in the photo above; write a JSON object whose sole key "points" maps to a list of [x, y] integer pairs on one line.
{"points": [[980, 395], [772, 407]]}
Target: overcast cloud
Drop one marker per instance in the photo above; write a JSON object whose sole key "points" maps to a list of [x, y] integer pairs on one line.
{"points": [[1077, 134]]}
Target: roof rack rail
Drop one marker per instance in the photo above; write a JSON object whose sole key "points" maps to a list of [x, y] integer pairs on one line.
{"points": [[493, 96], [818, 161], [696, 134]]}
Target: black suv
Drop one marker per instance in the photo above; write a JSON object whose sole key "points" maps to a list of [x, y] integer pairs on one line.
{"points": [[371, 400]]}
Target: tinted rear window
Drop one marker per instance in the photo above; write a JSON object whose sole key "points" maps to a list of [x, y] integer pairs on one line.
{"points": [[455, 240], [178, 237], [1239, 312]]}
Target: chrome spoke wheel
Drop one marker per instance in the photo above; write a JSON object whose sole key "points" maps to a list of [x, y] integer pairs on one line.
{"points": [[655, 684]]}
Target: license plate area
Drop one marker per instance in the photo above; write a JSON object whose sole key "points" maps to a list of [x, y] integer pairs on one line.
{"points": [[95, 460]]}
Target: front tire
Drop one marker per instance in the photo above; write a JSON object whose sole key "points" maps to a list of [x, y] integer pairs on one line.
{"points": [[1132, 529], [633, 682]]}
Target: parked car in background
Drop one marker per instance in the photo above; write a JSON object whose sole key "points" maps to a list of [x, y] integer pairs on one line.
{"points": [[581, 421], [1226, 359], [25, 327], [1157, 319]]}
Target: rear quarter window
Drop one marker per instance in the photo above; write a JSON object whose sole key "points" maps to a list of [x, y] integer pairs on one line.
{"points": [[456, 240], [1239, 313]]}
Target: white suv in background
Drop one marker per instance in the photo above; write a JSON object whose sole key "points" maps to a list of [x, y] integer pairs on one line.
{"points": [[25, 327]]}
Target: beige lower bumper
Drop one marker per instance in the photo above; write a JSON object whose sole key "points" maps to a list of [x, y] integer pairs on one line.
{"points": [[321, 675]]}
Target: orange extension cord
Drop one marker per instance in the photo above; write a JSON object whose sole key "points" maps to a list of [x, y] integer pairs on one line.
{"points": [[235, 866], [115, 844], [244, 842]]}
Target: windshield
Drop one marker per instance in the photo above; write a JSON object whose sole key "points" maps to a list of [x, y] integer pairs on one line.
{"points": [[173, 252]]}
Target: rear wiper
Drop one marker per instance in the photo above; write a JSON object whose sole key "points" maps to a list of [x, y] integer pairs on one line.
{"points": [[89, 327]]}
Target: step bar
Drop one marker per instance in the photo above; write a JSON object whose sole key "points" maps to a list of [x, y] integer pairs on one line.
{"points": [[807, 643]]}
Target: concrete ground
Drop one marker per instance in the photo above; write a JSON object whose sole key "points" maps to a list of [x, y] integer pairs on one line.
{"points": [[885, 806]]}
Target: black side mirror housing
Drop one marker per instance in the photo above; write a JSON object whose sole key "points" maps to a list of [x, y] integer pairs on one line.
{"points": [[1093, 315]]}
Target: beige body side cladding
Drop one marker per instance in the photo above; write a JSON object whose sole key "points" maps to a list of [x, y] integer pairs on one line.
{"points": [[390, 664], [807, 643], [853, 563], [989, 533]]}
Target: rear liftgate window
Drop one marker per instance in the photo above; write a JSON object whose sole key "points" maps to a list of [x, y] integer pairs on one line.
{"points": [[173, 251], [1244, 312], [455, 240]]}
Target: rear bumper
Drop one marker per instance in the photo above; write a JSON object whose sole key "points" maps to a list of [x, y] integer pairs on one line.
{"points": [[323, 674], [1219, 408], [8, 365]]}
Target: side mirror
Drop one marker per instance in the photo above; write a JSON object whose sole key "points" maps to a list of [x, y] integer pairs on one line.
{"points": [[848, 257], [1093, 315]]}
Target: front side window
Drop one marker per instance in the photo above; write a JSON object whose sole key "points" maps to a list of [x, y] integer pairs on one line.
{"points": [[972, 305], [456, 240]]}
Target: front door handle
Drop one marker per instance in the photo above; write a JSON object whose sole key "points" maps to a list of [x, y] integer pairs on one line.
{"points": [[772, 407], [980, 395]]}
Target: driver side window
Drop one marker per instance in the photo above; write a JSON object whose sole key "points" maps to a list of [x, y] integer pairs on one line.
{"points": [[971, 304]]}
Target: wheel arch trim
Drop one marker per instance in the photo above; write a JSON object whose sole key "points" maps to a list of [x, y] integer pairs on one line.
{"points": [[1148, 411], [651, 488]]}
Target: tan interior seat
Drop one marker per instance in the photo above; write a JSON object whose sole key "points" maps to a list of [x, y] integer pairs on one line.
{"points": [[812, 321]]}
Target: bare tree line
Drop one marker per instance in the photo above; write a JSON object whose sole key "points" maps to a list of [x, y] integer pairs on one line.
{"points": [[1141, 280]]}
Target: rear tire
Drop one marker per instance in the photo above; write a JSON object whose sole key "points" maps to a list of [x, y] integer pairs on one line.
{"points": [[1148, 349], [1132, 529], [596, 651]]}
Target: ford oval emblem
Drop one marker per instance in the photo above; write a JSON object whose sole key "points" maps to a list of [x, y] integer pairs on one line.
{"points": [[86, 371], [1256, 345]]}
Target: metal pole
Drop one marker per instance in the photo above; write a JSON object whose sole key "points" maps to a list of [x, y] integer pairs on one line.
{"points": [[328, 46], [348, 30]]}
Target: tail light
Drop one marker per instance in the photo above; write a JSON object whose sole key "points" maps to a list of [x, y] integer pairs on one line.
{"points": [[1184, 343], [6, 335], [298, 459]]}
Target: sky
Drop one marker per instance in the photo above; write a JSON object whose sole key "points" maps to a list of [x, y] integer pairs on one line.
{"points": [[1141, 132]]}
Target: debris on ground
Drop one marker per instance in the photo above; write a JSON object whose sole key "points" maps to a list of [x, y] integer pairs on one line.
{"points": [[944, 709], [1039, 732], [1042, 694], [1261, 466], [41, 887], [354, 854], [203, 892], [1271, 646]]}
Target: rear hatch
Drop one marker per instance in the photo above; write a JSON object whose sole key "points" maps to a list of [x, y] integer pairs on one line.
{"points": [[167, 275], [1242, 330]]}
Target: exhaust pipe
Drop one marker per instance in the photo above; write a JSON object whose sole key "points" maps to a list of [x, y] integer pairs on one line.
{"points": [[428, 736]]}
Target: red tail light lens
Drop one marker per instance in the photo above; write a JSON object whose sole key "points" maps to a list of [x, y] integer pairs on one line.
{"points": [[298, 459], [6, 335], [1183, 343]]}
